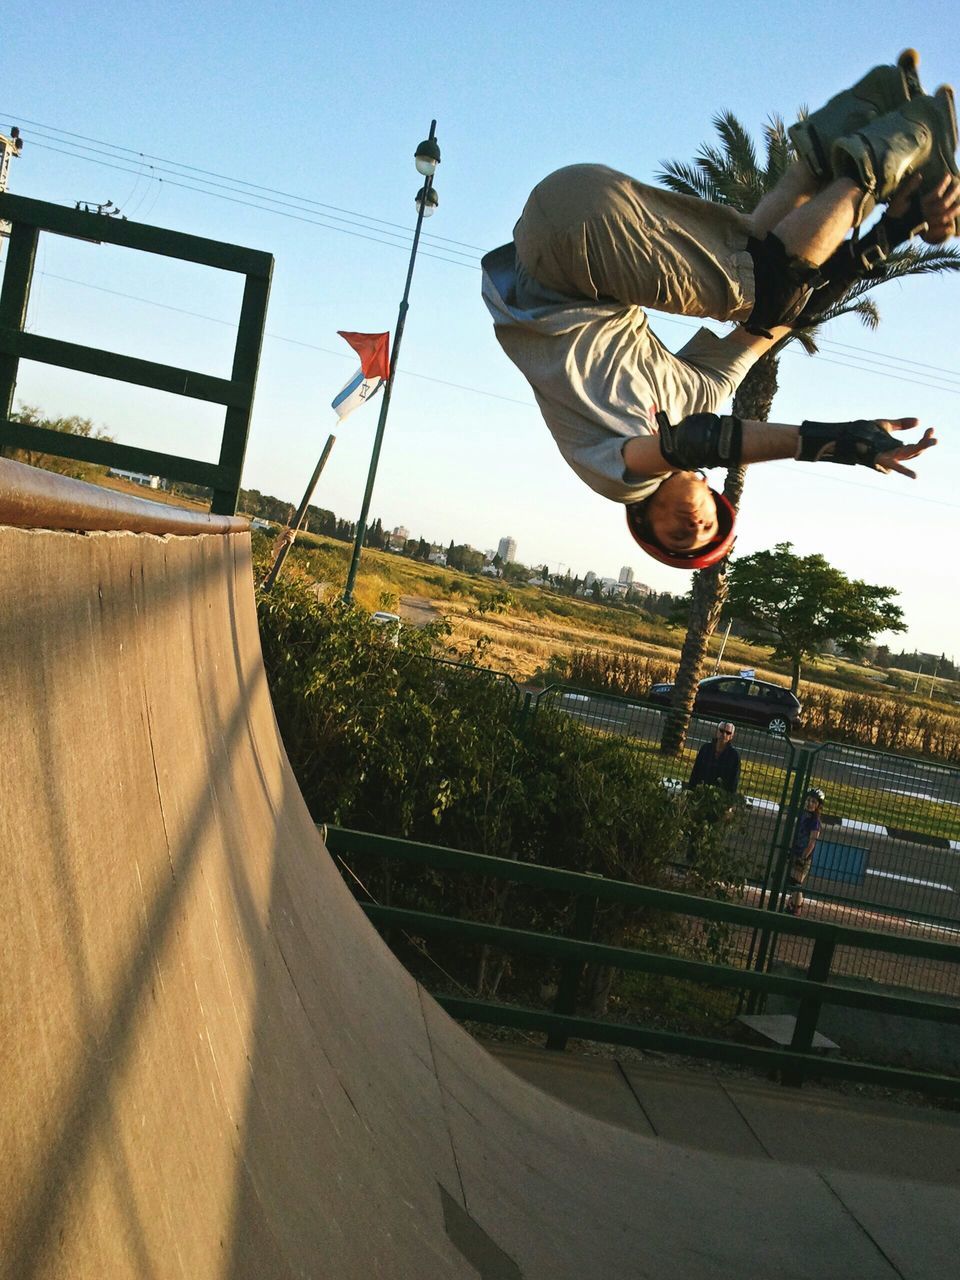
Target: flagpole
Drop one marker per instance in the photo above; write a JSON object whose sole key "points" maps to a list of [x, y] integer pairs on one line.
{"points": [[425, 206], [290, 533]]}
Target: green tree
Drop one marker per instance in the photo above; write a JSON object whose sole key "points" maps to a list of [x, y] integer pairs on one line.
{"points": [[72, 426], [799, 603], [514, 571], [731, 174], [464, 558]]}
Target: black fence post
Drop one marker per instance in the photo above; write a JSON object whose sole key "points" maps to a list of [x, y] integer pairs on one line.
{"points": [[808, 1013], [766, 946], [571, 970], [527, 706]]}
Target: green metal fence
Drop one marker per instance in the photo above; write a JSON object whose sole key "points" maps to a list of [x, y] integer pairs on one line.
{"points": [[819, 986], [889, 855], [31, 217]]}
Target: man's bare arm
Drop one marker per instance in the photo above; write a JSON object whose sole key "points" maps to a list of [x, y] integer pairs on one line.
{"points": [[772, 441]]}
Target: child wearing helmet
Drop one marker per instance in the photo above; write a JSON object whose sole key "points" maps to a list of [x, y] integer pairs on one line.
{"points": [[809, 826], [594, 248]]}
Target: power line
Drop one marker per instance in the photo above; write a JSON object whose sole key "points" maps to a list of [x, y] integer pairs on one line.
{"points": [[250, 204], [205, 190], [279, 197], [423, 377], [899, 359], [206, 175], [279, 337], [794, 351]]}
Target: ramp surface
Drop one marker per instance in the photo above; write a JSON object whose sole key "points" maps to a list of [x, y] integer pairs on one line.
{"points": [[212, 1067]]}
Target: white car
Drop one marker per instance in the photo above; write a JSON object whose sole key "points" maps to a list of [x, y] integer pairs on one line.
{"points": [[390, 620]]}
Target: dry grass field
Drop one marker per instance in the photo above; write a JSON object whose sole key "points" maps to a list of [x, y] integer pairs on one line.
{"points": [[521, 636]]}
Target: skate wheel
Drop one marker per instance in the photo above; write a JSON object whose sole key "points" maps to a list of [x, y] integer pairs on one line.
{"points": [[909, 60]]}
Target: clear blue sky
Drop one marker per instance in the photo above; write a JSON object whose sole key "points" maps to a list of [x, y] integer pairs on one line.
{"points": [[326, 104]]}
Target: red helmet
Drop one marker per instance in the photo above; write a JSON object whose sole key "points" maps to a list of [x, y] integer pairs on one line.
{"points": [[703, 557]]}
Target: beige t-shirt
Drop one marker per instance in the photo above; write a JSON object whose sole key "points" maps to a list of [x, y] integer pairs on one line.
{"points": [[599, 374]]}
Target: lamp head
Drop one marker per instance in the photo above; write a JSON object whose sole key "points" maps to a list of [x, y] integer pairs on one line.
{"points": [[427, 201], [427, 157]]}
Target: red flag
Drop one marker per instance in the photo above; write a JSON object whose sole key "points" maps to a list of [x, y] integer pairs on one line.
{"points": [[373, 350]]}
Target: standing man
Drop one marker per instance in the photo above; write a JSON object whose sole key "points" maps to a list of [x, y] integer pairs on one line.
{"points": [[718, 762], [717, 766]]}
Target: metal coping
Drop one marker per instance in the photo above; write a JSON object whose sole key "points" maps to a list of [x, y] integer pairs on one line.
{"points": [[35, 499]]}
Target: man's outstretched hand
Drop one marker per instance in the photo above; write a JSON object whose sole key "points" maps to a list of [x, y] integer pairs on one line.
{"points": [[939, 208], [893, 459], [868, 442]]}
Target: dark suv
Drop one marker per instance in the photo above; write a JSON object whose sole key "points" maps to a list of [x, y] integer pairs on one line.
{"points": [[741, 698]]}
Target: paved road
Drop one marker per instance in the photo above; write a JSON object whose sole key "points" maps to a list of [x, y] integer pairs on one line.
{"points": [[850, 766]]}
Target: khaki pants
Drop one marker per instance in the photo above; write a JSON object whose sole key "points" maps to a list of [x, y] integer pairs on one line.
{"points": [[589, 232]]}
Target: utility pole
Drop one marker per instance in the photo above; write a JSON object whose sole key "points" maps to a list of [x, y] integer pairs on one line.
{"points": [[10, 147], [723, 645], [936, 668]]}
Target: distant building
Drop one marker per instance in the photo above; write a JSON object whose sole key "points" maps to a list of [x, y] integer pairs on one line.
{"points": [[626, 575], [138, 477], [507, 550], [589, 578]]}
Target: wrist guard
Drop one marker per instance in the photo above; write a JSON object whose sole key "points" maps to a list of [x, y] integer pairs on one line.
{"points": [[846, 443], [701, 440]]}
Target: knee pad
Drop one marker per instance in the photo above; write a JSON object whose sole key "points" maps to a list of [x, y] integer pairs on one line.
{"points": [[782, 285]]}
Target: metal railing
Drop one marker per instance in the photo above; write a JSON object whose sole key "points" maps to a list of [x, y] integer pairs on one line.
{"points": [[819, 986], [28, 219]]}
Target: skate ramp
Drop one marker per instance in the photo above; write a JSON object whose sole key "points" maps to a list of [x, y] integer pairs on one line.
{"points": [[211, 1066]]}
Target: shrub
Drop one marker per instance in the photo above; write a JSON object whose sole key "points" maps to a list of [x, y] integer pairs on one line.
{"points": [[386, 738]]}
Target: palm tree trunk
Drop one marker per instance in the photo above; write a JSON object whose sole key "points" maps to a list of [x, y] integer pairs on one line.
{"points": [[709, 593]]}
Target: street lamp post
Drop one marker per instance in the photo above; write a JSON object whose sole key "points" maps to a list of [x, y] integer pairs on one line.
{"points": [[426, 158]]}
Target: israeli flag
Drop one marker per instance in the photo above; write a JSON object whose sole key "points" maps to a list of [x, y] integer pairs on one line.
{"points": [[354, 393]]}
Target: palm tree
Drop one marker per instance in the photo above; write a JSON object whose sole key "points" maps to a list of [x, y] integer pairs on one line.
{"points": [[731, 174]]}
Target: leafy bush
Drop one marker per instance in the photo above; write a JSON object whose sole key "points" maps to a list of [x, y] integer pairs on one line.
{"points": [[385, 737]]}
